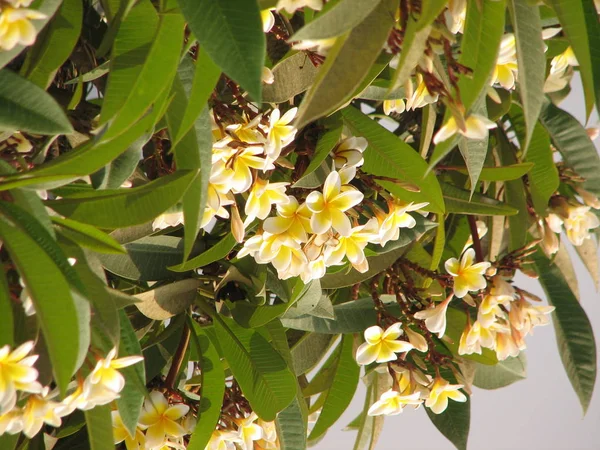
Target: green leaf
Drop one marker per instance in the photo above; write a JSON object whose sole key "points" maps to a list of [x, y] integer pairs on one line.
{"points": [[51, 294], [530, 57], [147, 259], [429, 12], [579, 21], [132, 396], [9, 441], [339, 395], [504, 173], [88, 236], [457, 201], [6, 312], [213, 388], [574, 334], [168, 300], [474, 152], [214, 253], [344, 16], [293, 75], [94, 74], [414, 45], [105, 208], [484, 28], [292, 425], [455, 324], [231, 33], [54, 45], [309, 350], [99, 428], [325, 144], [389, 156], [26, 107], [369, 427], [454, 422], [574, 144], [588, 253], [543, 178], [261, 372], [347, 64], [48, 8], [502, 374]]}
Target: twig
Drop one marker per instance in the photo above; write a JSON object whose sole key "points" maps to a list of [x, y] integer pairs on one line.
{"points": [[476, 241], [178, 357]]}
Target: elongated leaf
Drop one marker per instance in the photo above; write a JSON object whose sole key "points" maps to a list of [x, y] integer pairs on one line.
{"points": [[168, 300], [309, 350], [455, 324], [54, 45], [147, 259], [261, 372], [6, 312], [293, 75], [231, 33], [26, 107], [104, 209], [413, 48], [389, 156], [214, 253], [343, 386], [574, 335], [347, 64], [213, 388], [579, 21], [454, 422], [504, 173], [51, 295], [429, 12], [99, 428], [88, 236], [457, 201], [292, 425], [575, 146], [544, 179], [530, 57], [344, 16], [502, 374], [588, 253], [325, 144]]}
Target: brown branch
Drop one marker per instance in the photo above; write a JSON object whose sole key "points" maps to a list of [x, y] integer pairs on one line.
{"points": [[178, 357], [476, 241]]}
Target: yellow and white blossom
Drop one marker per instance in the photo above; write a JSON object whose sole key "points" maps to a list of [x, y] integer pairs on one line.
{"points": [[262, 197], [328, 207], [223, 440], [476, 127], [397, 106], [392, 403], [37, 411], [17, 373], [456, 15], [281, 133], [441, 391], [435, 317], [559, 77], [16, 27], [352, 247], [320, 46], [267, 76], [506, 64], [467, 275], [167, 219], [381, 346], [269, 436], [476, 336], [506, 346], [161, 420], [291, 6], [579, 223], [292, 218], [249, 431], [588, 198], [397, 218], [240, 164], [11, 422], [268, 19], [524, 316], [420, 97], [416, 339], [120, 434], [349, 152]]}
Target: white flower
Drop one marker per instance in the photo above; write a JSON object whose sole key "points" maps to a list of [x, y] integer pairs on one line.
{"points": [[349, 152], [579, 223], [292, 218], [167, 219], [392, 403], [267, 76], [292, 5], [394, 106], [381, 346], [17, 373], [11, 422], [268, 19], [352, 247], [506, 64], [417, 340], [397, 218], [467, 276], [37, 411], [476, 127], [249, 431], [16, 28], [120, 434], [160, 420], [262, 197], [441, 391], [455, 15], [281, 133], [420, 97], [435, 317]]}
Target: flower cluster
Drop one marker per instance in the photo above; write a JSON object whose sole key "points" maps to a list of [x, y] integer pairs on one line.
{"points": [[246, 433], [15, 23], [20, 387]]}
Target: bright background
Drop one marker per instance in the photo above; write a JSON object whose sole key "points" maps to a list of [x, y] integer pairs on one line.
{"points": [[540, 412]]}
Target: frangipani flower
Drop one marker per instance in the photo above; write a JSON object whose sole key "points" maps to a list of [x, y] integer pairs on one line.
{"points": [[381, 346], [292, 5], [476, 128], [249, 431], [262, 197], [394, 106], [349, 152], [392, 403], [268, 19], [11, 422], [455, 15], [16, 28], [269, 436], [281, 133], [420, 97], [506, 346], [37, 411], [223, 440], [435, 317], [467, 276], [292, 218], [329, 207], [506, 64], [579, 223], [397, 218], [267, 76], [167, 219], [559, 70], [417, 340], [17, 373], [441, 391], [160, 419], [240, 164], [120, 434], [352, 247]]}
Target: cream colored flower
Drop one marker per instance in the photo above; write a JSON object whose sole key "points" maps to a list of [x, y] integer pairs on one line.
{"points": [[223, 440], [392, 403], [455, 15], [268, 19], [381, 346], [397, 218], [579, 223], [524, 316], [120, 434], [506, 346], [17, 373], [476, 336], [352, 247], [160, 420], [16, 28], [396, 106], [476, 128], [416, 339], [267, 76], [441, 391], [329, 206], [167, 219], [320, 46], [11, 422], [588, 198], [17, 142], [349, 152], [281, 133], [467, 276], [262, 197], [37, 411], [239, 165], [435, 317], [292, 5], [292, 218], [506, 64], [420, 97], [249, 431], [269, 436]]}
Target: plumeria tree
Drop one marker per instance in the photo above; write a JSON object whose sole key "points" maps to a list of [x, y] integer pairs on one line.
{"points": [[219, 217]]}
